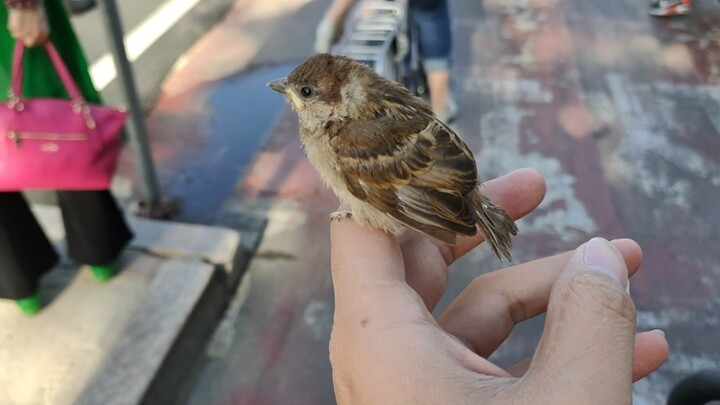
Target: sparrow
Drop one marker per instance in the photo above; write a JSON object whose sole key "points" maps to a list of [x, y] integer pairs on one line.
{"points": [[385, 154]]}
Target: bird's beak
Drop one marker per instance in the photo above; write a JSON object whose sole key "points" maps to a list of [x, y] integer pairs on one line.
{"points": [[278, 85]]}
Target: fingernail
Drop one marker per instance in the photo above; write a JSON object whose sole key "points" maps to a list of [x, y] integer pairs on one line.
{"points": [[599, 255], [658, 332]]}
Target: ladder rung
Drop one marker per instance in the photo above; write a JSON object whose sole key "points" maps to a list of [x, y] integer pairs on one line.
{"points": [[371, 44], [380, 19], [371, 50], [372, 26], [367, 36], [383, 6], [359, 55]]}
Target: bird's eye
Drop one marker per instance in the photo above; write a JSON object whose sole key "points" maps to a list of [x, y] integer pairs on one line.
{"points": [[306, 92]]}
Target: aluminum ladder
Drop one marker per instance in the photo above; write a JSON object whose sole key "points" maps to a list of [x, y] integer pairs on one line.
{"points": [[374, 35]]}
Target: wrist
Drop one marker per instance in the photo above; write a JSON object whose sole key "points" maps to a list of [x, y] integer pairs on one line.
{"points": [[22, 4]]}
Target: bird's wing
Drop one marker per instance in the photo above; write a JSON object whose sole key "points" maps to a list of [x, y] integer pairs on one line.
{"points": [[419, 176]]}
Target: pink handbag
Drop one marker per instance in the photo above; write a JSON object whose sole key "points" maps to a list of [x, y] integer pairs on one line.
{"points": [[53, 143]]}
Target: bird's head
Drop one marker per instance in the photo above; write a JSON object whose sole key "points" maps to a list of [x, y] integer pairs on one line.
{"points": [[325, 88]]}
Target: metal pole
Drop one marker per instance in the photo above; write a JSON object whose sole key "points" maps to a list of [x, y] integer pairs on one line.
{"points": [[135, 127]]}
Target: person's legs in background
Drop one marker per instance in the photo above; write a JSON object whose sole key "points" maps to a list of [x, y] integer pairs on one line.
{"points": [[435, 39], [95, 228], [25, 253], [96, 233]]}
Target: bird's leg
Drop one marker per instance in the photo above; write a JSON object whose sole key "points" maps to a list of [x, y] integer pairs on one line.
{"points": [[340, 215]]}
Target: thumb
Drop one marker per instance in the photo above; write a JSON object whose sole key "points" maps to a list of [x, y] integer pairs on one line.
{"points": [[587, 345]]}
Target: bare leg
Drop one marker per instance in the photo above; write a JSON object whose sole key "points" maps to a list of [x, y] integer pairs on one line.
{"points": [[438, 81]]}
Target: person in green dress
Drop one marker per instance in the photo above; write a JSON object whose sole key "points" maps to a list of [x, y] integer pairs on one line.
{"points": [[95, 228]]}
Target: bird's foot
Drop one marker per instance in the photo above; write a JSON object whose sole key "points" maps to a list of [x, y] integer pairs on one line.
{"points": [[340, 215]]}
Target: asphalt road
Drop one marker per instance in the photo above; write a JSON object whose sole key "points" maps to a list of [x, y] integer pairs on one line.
{"points": [[165, 29]]}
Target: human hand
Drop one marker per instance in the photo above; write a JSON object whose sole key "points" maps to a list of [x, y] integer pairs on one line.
{"points": [[386, 347], [29, 25]]}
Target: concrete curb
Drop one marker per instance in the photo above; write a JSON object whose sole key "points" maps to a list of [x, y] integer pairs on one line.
{"points": [[132, 373], [216, 245]]}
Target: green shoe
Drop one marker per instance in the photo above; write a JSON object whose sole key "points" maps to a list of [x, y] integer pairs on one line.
{"points": [[102, 273], [30, 305]]}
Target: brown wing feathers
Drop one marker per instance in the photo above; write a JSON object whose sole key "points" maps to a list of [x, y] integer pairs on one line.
{"points": [[420, 179]]}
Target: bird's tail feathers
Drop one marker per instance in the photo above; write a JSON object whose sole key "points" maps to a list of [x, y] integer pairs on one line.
{"points": [[495, 225]]}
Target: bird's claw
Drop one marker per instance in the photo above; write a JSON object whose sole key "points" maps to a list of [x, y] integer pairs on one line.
{"points": [[340, 215]]}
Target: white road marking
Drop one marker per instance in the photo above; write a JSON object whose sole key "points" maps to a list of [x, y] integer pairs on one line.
{"points": [[103, 70]]}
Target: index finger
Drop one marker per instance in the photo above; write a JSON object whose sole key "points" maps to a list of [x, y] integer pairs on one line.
{"points": [[368, 270]]}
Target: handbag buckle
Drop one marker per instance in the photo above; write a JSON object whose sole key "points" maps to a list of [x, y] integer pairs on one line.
{"points": [[84, 110], [15, 103]]}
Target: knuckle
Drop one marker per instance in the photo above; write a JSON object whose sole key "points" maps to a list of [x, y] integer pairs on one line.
{"points": [[512, 305], [599, 294]]}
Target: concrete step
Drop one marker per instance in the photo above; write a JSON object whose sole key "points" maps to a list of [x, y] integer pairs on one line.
{"points": [[216, 245], [132, 340]]}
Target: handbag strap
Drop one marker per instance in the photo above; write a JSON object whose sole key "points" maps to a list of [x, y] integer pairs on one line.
{"points": [[62, 70]]}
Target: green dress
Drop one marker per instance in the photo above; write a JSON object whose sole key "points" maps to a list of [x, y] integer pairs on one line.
{"points": [[40, 79], [95, 227]]}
